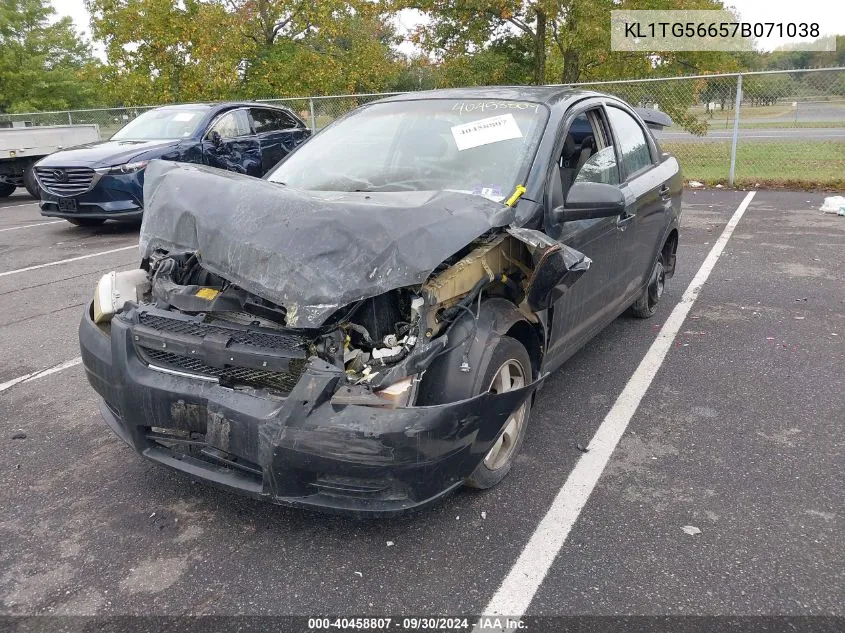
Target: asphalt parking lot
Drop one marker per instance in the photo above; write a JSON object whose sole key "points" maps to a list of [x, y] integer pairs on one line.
{"points": [[739, 435]]}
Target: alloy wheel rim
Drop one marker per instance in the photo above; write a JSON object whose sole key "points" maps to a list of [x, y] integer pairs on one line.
{"points": [[510, 376], [655, 290]]}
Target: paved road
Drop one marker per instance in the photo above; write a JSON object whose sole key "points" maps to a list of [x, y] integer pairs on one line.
{"points": [[767, 135], [739, 435]]}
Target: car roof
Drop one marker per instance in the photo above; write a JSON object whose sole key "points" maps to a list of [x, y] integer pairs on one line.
{"points": [[221, 105], [550, 95]]}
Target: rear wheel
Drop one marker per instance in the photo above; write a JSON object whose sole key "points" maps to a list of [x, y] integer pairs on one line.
{"points": [[6, 189], [509, 368], [85, 221], [646, 305], [30, 183]]}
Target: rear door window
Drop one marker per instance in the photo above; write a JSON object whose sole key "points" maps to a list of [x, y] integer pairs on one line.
{"points": [[633, 144], [269, 120]]}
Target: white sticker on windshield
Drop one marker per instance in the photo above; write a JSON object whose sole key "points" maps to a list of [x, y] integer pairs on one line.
{"points": [[184, 116], [485, 131]]}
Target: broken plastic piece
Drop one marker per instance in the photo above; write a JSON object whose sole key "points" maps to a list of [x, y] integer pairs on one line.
{"points": [[116, 288], [834, 204]]}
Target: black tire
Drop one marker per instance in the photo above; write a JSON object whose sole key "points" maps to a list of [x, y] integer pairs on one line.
{"points": [[30, 183], [6, 189], [85, 221], [489, 473], [646, 305]]}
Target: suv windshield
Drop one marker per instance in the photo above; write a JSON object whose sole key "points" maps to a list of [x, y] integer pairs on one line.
{"points": [[162, 123], [471, 145]]}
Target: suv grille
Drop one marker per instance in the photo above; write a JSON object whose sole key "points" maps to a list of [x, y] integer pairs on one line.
{"points": [[65, 181]]}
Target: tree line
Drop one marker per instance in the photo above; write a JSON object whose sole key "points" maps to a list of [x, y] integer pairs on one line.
{"points": [[161, 51]]}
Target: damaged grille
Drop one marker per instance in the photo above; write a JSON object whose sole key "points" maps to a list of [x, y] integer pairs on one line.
{"points": [[278, 342], [258, 378], [284, 352]]}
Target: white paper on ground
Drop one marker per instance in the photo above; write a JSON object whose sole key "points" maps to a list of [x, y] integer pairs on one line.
{"points": [[485, 131]]}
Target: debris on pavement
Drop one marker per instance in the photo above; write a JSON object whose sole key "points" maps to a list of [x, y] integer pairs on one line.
{"points": [[390, 543], [691, 530], [581, 447], [834, 204], [483, 514], [358, 573], [695, 184], [18, 435]]}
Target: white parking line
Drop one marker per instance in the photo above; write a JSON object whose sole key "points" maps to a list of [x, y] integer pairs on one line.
{"points": [[29, 226], [13, 206], [66, 261], [524, 578], [40, 374]]}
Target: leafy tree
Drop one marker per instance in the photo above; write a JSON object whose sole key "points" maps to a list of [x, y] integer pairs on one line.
{"points": [[215, 49], [298, 47], [160, 51], [43, 66], [568, 40]]}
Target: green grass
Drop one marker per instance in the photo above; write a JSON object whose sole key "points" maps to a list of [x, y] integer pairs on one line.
{"points": [[795, 164]]}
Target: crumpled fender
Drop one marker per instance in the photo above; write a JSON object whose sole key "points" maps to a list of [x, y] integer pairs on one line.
{"points": [[469, 343]]}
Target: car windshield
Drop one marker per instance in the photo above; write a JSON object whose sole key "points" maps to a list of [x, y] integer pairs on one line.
{"points": [[473, 146], [161, 123]]}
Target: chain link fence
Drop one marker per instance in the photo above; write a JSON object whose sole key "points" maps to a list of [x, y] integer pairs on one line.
{"points": [[781, 128], [774, 128]]}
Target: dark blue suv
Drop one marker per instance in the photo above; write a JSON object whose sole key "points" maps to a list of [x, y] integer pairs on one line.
{"points": [[89, 184]]}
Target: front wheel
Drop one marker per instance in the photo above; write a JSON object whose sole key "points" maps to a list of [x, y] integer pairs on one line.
{"points": [[509, 368], [85, 221], [646, 305], [6, 189]]}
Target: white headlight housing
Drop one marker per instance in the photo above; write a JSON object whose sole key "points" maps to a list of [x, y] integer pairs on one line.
{"points": [[116, 288]]}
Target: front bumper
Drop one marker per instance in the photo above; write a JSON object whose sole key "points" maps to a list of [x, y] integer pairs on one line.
{"points": [[111, 197], [299, 450]]}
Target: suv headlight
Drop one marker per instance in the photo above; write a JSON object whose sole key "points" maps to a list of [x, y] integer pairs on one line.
{"points": [[126, 168]]}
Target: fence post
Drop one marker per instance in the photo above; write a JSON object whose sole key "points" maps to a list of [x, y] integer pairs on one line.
{"points": [[736, 130], [313, 118], [69, 119]]}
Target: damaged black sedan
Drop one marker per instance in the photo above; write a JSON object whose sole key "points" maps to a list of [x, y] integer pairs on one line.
{"points": [[365, 328]]}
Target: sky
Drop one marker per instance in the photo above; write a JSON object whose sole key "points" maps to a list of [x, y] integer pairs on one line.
{"points": [[830, 14]]}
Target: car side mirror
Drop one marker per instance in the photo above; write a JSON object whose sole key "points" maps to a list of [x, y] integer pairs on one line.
{"points": [[590, 200], [215, 138]]}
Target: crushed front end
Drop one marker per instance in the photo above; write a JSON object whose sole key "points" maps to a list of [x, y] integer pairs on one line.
{"points": [[199, 375]]}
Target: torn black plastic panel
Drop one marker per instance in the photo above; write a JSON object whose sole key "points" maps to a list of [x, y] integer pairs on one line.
{"points": [[309, 252], [556, 267]]}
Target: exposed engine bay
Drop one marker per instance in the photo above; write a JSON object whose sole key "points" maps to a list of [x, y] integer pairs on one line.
{"points": [[383, 343]]}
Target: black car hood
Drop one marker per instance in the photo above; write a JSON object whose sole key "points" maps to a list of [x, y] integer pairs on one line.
{"points": [[311, 252]]}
